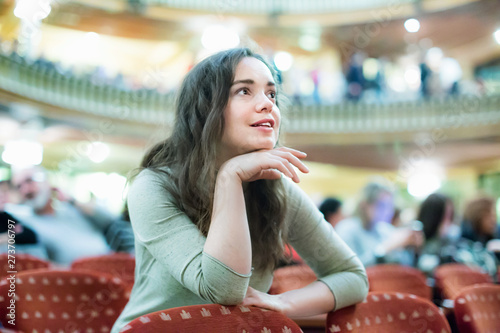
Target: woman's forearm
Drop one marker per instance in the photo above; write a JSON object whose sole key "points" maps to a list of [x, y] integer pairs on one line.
{"points": [[228, 238], [311, 300]]}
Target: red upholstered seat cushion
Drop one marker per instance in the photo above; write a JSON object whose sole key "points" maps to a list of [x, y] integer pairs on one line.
{"points": [[53, 300], [213, 318], [477, 308]]}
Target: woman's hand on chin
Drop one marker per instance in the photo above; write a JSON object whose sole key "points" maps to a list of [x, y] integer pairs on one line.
{"points": [[266, 164], [266, 301]]}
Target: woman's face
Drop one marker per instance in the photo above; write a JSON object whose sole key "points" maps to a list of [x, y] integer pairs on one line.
{"points": [[489, 222], [447, 221], [252, 119]]}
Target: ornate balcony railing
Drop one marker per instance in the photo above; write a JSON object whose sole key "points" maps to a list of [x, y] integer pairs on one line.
{"points": [[49, 86], [277, 6]]}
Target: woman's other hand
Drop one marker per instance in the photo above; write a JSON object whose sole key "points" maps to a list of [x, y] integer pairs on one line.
{"points": [[263, 300], [266, 164]]}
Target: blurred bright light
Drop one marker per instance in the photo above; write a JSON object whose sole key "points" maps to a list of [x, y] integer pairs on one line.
{"points": [[107, 188], [412, 77], [283, 60], [370, 68], [218, 38], [32, 10], [22, 153], [425, 180], [421, 185], [434, 57], [450, 72], [310, 36], [412, 25], [91, 37], [496, 35], [397, 83], [98, 152], [309, 42]]}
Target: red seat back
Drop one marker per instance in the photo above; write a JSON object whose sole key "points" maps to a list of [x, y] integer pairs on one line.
{"points": [[53, 300], [389, 313], [121, 265], [452, 278], [212, 318], [20, 262], [477, 308], [291, 277], [398, 278]]}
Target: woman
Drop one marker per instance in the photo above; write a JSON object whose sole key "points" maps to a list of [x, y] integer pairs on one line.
{"points": [[211, 213], [480, 220], [441, 234]]}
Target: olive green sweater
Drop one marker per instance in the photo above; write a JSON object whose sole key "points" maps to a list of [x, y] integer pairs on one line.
{"points": [[172, 270]]}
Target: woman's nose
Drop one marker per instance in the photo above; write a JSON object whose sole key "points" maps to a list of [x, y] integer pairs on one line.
{"points": [[264, 104]]}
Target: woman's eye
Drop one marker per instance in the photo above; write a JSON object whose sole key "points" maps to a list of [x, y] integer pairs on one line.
{"points": [[244, 91], [272, 94]]}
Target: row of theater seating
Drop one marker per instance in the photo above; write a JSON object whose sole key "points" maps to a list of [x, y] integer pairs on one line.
{"points": [[90, 296]]}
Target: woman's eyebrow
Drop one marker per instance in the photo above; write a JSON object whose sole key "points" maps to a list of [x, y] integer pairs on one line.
{"points": [[250, 81]]}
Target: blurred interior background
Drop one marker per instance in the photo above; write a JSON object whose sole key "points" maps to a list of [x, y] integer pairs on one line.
{"points": [[408, 90]]}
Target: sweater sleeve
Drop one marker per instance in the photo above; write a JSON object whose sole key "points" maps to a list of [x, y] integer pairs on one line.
{"points": [[323, 250], [176, 243]]}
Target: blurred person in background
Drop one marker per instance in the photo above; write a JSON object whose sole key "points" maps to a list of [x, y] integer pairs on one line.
{"points": [[444, 243], [354, 77], [26, 241], [480, 220], [370, 234], [441, 235], [480, 224], [65, 231], [332, 210]]}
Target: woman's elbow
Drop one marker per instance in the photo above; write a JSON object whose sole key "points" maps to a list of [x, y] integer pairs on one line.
{"points": [[228, 297], [364, 284]]}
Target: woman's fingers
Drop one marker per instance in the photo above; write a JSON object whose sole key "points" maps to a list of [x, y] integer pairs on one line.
{"points": [[268, 164], [293, 159], [298, 153]]}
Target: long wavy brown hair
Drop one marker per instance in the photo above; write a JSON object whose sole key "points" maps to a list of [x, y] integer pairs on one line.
{"points": [[189, 156]]}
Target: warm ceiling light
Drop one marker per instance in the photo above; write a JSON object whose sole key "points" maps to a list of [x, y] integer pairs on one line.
{"points": [[22, 153], [98, 151], [283, 61], [496, 35], [218, 37], [412, 25], [32, 10]]}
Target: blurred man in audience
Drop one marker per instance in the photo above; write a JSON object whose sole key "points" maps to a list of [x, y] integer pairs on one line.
{"points": [[63, 228], [332, 210], [23, 238], [370, 233]]}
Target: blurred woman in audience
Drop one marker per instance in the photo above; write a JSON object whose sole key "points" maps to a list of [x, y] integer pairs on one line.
{"points": [[211, 212], [443, 242], [480, 223], [370, 233], [441, 234], [480, 220]]}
